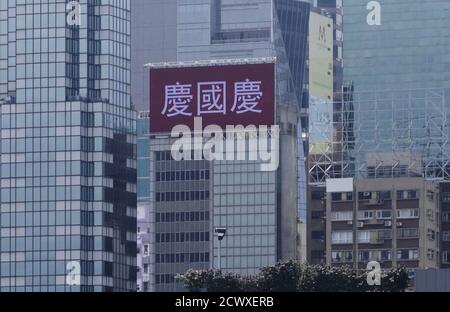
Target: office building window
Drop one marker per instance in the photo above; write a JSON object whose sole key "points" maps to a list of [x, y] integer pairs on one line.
{"points": [[407, 213], [384, 214], [408, 194], [408, 233], [364, 255], [342, 237], [365, 215], [446, 256], [342, 256], [446, 236], [385, 255], [342, 215], [407, 254], [317, 235], [364, 237], [446, 216]]}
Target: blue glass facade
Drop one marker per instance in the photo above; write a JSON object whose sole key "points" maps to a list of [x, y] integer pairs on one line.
{"points": [[68, 168], [397, 67]]}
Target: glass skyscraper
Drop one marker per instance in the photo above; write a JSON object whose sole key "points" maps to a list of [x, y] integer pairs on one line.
{"points": [[397, 71], [68, 168]]}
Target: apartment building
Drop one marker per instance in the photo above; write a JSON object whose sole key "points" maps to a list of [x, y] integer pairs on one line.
{"points": [[445, 224], [394, 221]]}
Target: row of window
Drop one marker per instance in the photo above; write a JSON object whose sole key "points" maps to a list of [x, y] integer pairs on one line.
{"points": [[51, 243], [53, 268], [167, 155], [51, 119], [407, 254], [363, 255], [408, 233], [49, 218], [378, 195], [58, 144], [365, 237], [164, 279], [194, 257], [373, 236], [192, 175], [374, 255], [381, 195], [407, 213], [182, 196], [182, 237], [374, 214], [50, 169], [182, 216]]}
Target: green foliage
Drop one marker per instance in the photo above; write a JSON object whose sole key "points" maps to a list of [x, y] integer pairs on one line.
{"points": [[291, 276], [282, 277], [211, 280]]}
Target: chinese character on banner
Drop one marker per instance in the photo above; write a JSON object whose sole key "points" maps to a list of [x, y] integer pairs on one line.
{"points": [[177, 100], [247, 95], [212, 97]]}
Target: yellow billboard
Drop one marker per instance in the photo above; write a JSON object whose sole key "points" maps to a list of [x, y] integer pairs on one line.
{"points": [[320, 83], [321, 56]]}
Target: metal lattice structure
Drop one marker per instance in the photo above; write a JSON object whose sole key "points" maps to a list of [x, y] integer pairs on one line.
{"points": [[387, 134]]}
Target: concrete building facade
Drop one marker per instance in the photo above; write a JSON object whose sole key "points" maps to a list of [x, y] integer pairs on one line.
{"points": [[392, 221], [445, 225]]}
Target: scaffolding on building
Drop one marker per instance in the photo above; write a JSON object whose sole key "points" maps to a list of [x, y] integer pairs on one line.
{"points": [[387, 134]]}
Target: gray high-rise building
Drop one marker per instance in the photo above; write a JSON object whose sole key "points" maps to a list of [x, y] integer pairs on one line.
{"points": [[259, 209], [154, 39], [68, 168]]}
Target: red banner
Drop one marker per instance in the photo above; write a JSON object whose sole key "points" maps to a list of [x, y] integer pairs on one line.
{"points": [[222, 95]]}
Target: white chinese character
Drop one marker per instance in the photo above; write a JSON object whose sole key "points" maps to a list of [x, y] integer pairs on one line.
{"points": [[212, 97], [177, 100], [246, 96]]}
